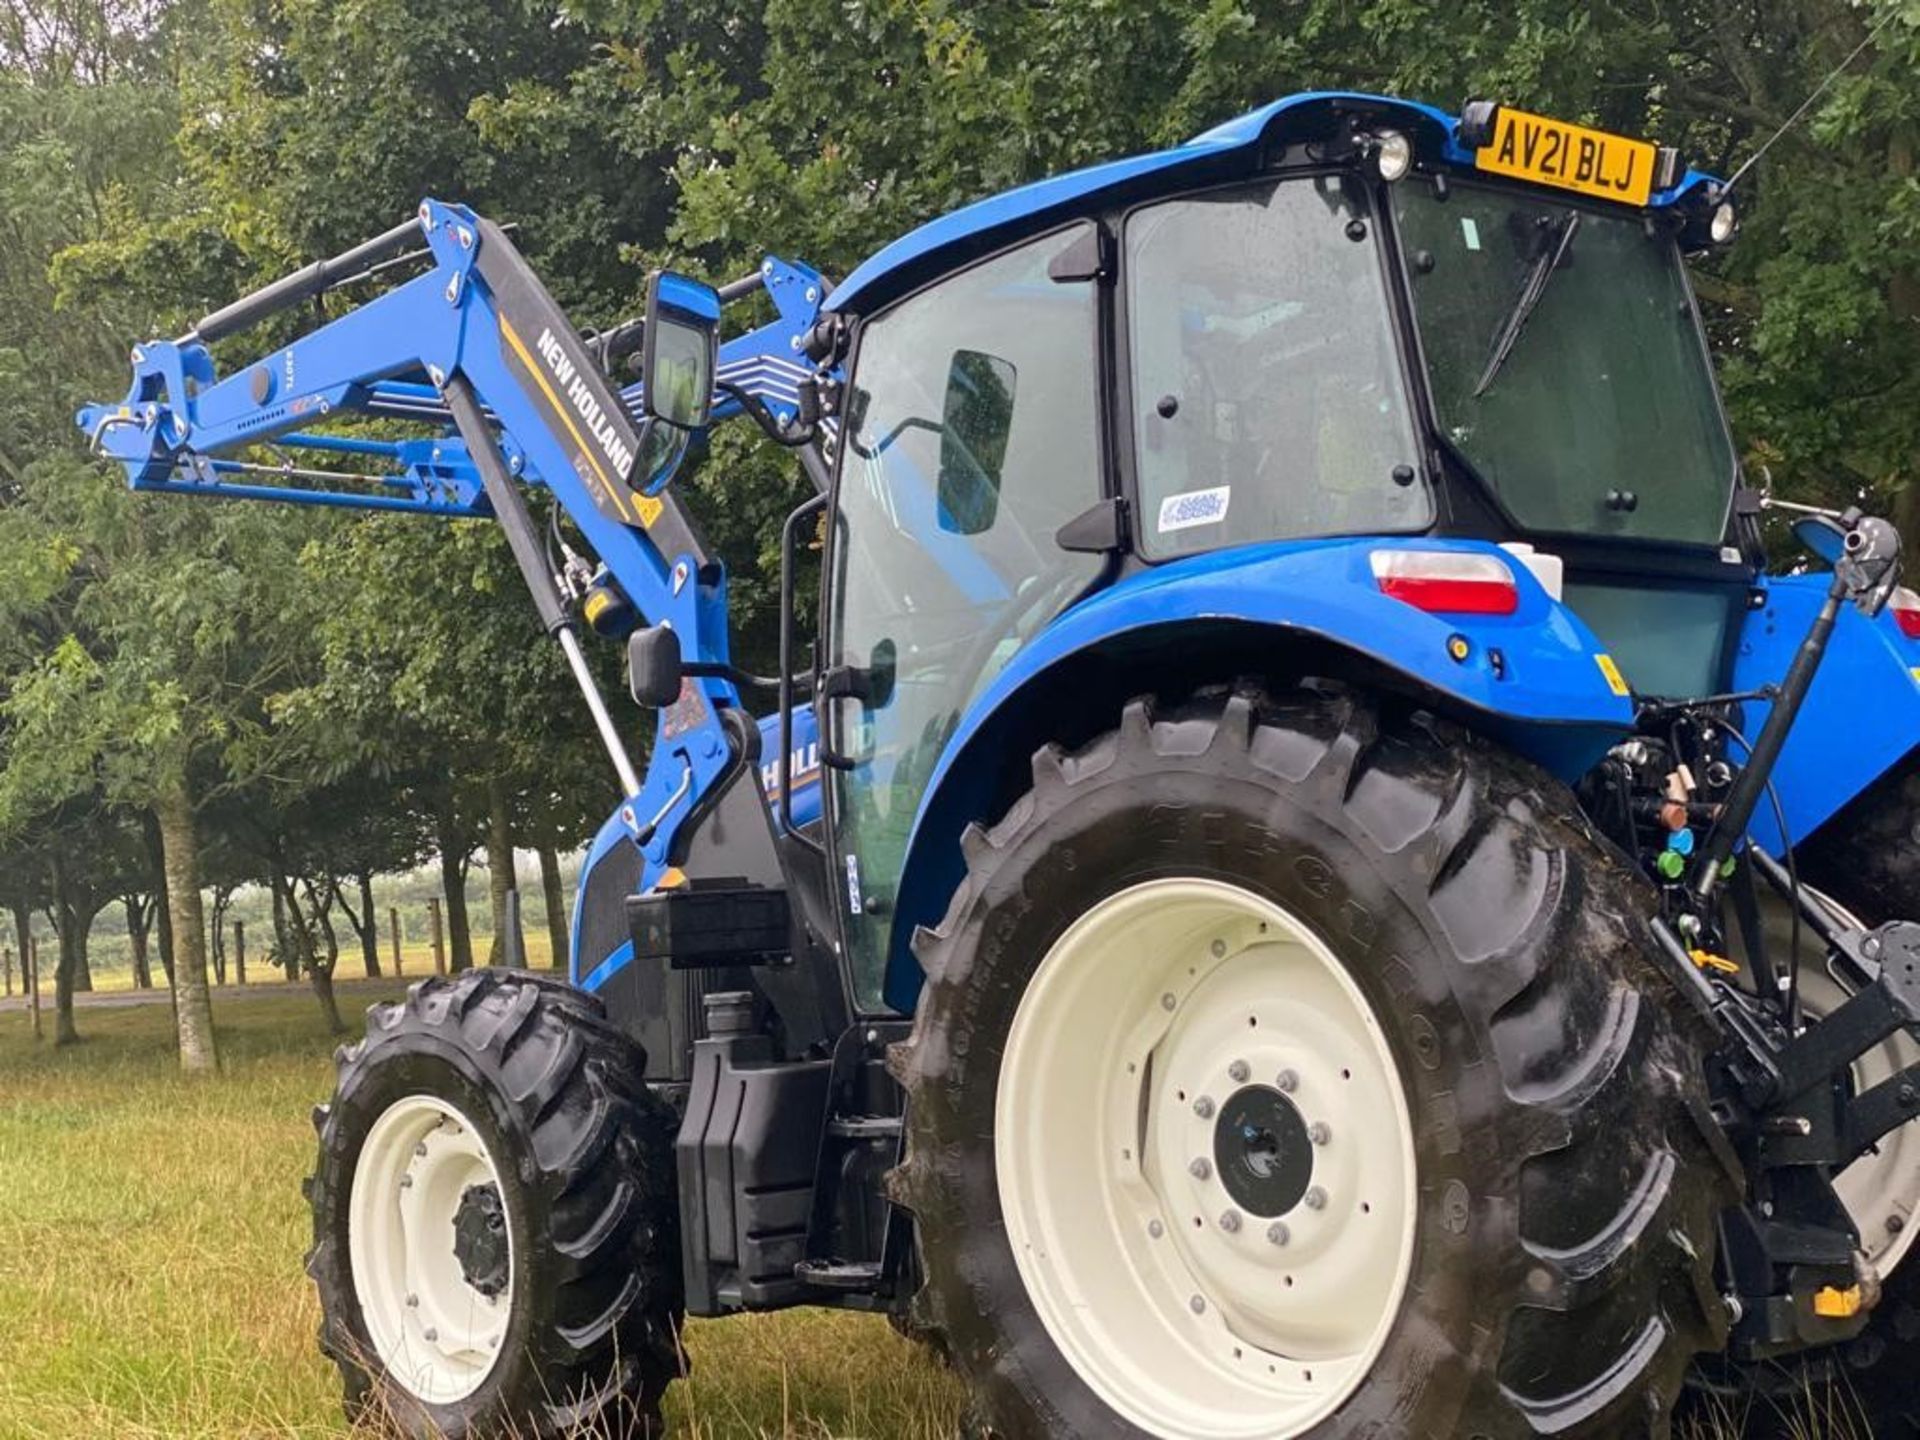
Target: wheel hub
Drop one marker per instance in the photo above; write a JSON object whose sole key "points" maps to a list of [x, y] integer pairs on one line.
{"points": [[480, 1239], [1263, 1151]]}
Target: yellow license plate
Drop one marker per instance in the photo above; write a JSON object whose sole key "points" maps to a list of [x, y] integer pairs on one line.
{"points": [[1572, 157]]}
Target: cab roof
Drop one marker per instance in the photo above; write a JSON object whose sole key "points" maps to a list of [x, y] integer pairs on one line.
{"points": [[1222, 153]]}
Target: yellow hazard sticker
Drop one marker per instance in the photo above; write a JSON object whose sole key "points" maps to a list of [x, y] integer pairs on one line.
{"points": [[1916, 674], [648, 508], [1616, 682]]}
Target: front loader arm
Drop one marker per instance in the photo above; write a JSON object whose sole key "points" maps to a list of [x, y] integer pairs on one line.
{"points": [[476, 343]]}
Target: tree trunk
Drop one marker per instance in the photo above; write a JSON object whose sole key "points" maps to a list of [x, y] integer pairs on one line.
{"points": [[501, 880], [67, 927], [82, 966], [557, 933], [139, 924], [367, 925], [282, 930], [453, 883], [29, 979], [180, 843], [322, 971], [239, 952]]}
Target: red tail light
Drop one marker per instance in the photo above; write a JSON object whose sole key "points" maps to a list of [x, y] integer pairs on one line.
{"points": [[1447, 582], [1906, 612]]}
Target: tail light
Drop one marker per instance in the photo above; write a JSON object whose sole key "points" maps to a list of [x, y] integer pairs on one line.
{"points": [[1906, 612], [1448, 582]]}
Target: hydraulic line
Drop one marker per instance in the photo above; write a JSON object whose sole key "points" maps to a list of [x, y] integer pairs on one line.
{"points": [[523, 539]]}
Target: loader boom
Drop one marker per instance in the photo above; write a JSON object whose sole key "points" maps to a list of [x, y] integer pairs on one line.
{"points": [[476, 347]]}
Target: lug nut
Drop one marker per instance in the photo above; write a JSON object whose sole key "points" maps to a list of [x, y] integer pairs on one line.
{"points": [[413, 1302], [1200, 1169], [1318, 1132], [1156, 1229], [1895, 1224], [432, 1334], [1203, 1107], [1315, 1197], [1287, 1081], [1167, 1002], [406, 1182], [1197, 1305], [1219, 948], [1278, 1234], [1238, 1072], [1230, 1221], [420, 1149]]}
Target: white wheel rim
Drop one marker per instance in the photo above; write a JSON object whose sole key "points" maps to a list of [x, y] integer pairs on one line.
{"points": [[432, 1331], [1147, 1028]]}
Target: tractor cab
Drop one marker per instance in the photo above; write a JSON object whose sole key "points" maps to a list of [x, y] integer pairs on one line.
{"points": [[1338, 321]]}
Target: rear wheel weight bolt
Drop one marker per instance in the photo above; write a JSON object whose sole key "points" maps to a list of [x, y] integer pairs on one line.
{"points": [[1278, 1234], [1238, 1072], [1230, 1221], [1203, 1107], [1316, 1198], [1200, 1169]]}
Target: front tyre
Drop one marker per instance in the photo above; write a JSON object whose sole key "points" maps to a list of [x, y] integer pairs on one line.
{"points": [[1286, 1069], [493, 1218]]}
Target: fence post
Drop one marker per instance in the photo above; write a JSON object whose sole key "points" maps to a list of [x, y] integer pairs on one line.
{"points": [[439, 941], [240, 952], [393, 917]]}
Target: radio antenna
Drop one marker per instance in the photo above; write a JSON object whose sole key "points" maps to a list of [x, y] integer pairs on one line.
{"points": [[1813, 99]]}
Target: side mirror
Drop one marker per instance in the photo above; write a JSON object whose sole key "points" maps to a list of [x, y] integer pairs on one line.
{"points": [[680, 353], [653, 666], [975, 425], [1824, 536]]}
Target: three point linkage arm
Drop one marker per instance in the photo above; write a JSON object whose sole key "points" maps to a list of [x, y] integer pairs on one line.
{"points": [[477, 348]]}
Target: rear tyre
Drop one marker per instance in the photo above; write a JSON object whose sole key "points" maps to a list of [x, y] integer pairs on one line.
{"points": [[1130, 1219], [494, 1218]]}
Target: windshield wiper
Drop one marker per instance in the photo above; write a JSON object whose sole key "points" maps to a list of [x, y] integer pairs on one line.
{"points": [[1539, 276]]}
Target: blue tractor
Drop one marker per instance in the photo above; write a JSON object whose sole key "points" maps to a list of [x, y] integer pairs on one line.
{"points": [[1312, 881]]}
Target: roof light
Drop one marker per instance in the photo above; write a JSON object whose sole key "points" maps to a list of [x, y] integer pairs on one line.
{"points": [[1726, 223], [1447, 582], [1906, 612], [1392, 155]]}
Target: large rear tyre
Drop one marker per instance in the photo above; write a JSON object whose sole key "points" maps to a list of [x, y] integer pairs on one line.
{"points": [[1289, 1069], [494, 1218]]}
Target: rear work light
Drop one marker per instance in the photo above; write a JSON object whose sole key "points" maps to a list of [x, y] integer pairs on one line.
{"points": [[1447, 582], [1906, 612]]}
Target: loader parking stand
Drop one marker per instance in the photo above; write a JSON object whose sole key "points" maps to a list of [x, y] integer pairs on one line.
{"points": [[1306, 878]]}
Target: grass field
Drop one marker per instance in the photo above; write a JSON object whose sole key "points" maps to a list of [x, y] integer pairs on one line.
{"points": [[151, 1238]]}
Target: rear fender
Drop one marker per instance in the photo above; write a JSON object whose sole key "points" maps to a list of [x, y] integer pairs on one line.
{"points": [[1537, 680], [1861, 718]]}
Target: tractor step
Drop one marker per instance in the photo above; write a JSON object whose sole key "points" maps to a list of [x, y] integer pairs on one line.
{"points": [[864, 1127], [847, 1278], [716, 924]]}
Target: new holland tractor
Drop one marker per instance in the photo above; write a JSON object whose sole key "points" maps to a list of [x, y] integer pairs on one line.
{"points": [[1309, 877]]}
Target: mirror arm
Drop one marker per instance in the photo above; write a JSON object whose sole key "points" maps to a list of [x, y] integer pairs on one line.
{"points": [[776, 429]]}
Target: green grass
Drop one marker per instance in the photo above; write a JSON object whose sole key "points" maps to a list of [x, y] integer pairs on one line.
{"points": [[151, 1239]]}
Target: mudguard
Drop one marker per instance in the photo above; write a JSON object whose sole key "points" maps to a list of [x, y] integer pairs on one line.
{"points": [[1861, 718], [1536, 678]]}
